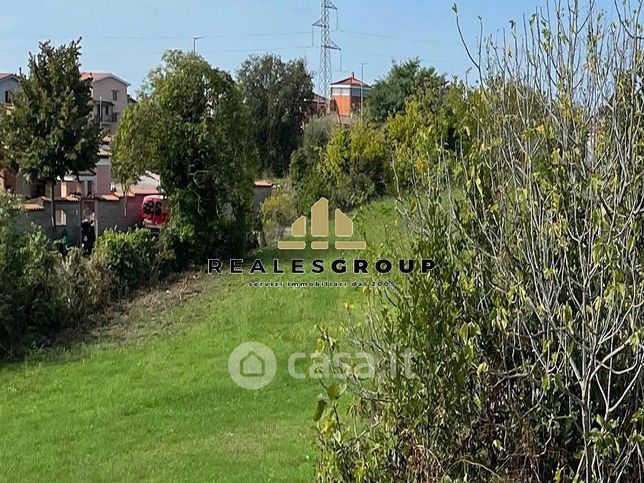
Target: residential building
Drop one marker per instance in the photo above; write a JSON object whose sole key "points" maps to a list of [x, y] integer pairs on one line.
{"points": [[8, 84], [347, 96], [110, 97], [318, 105]]}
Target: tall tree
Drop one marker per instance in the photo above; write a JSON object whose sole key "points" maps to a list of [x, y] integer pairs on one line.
{"points": [[50, 132], [389, 94], [278, 95], [191, 127]]}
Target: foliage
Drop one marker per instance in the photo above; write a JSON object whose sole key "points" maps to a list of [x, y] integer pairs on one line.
{"points": [[420, 133], [128, 256], [50, 131], [388, 95], [528, 359], [277, 212], [191, 127], [306, 159], [29, 303], [354, 165], [278, 95]]}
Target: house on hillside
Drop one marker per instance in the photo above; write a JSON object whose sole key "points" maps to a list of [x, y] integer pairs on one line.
{"points": [[347, 96], [8, 84], [110, 97]]}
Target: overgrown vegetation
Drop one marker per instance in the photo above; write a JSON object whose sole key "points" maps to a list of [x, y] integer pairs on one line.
{"points": [[43, 293], [191, 127], [278, 95], [527, 346]]}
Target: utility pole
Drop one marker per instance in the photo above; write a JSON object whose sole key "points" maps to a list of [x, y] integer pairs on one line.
{"points": [[326, 46], [362, 91], [194, 44]]}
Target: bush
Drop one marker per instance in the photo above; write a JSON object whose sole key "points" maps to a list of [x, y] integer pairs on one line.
{"points": [[277, 212], [30, 303], [304, 168], [354, 165], [83, 283], [130, 257], [527, 338]]}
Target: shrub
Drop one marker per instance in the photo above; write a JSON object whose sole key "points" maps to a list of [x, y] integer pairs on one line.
{"points": [[83, 283], [29, 301], [304, 168], [354, 165], [277, 212], [130, 257], [528, 337]]}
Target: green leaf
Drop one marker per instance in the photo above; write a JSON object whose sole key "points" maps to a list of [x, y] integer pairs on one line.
{"points": [[334, 391], [321, 407], [463, 332]]}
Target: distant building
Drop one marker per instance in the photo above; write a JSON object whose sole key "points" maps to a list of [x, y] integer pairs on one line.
{"points": [[8, 84], [318, 105], [110, 97], [347, 96]]}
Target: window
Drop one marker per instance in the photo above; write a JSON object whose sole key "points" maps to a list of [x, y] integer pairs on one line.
{"points": [[7, 97], [148, 207], [61, 218], [89, 191], [115, 95], [107, 109]]}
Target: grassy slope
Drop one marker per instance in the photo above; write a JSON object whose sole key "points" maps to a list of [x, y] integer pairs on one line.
{"points": [[164, 408]]}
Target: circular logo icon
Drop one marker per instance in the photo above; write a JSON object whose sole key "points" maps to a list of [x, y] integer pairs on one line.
{"points": [[252, 365]]}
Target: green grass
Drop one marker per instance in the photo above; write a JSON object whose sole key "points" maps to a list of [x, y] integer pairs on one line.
{"points": [[162, 407]]}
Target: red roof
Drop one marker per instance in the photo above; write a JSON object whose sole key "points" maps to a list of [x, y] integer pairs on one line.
{"points": [[350, 81]]}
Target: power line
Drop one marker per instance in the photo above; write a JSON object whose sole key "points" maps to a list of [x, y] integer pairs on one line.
{"points": [[397, 37], [160, 37], [160, 53], [393, 57]]}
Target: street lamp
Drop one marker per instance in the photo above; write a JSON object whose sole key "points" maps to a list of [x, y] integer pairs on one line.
{"points": [[194, 44]]}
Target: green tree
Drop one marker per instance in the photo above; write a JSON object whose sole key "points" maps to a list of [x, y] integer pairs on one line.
{"points": [[305, 161], [191, 127], [50, 132], [278, 95], [389, 94], [354, 165]]}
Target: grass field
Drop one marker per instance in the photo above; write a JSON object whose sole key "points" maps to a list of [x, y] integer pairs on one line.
{"points": [[152, 399]]}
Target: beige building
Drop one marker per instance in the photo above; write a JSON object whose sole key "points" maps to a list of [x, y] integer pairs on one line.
{"points": [[110, 97]]}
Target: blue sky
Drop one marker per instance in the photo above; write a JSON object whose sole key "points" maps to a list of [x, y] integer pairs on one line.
{"points": [[127, 37]]}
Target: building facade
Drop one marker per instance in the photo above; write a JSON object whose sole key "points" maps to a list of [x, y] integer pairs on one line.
{"points": [[110, 98], [348, 95], [8, 84]]}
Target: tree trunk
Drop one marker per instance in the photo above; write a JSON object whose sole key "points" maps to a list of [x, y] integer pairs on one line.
{"points": [[53, 210]]}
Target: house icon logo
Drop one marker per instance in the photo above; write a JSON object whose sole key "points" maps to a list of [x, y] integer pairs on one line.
{"points": [[320, 229], [252, 365]]}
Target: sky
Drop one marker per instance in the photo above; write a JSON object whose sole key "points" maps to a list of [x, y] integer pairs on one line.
{"points": [[128, 37]]}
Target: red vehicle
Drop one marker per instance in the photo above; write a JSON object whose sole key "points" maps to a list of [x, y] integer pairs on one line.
{"points": [[155, 211]]}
